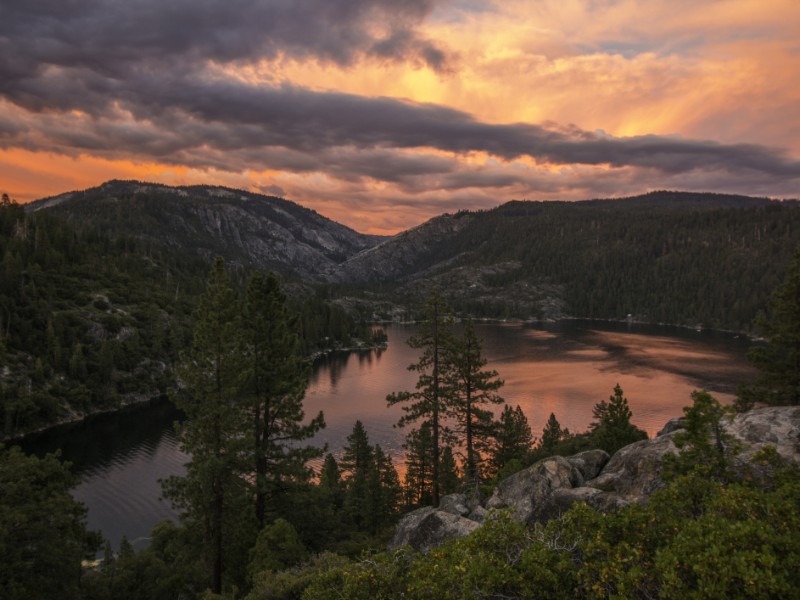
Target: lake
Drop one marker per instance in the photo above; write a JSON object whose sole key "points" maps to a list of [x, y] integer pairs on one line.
{"points": [[563, 368]]}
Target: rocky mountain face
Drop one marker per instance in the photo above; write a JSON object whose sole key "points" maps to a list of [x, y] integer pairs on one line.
{"points": [[411, 254], [645, 258], [552, 485], [249, 229]]}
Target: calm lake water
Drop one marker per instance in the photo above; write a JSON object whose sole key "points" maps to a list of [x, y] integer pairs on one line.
{"points": [[564, 368]]}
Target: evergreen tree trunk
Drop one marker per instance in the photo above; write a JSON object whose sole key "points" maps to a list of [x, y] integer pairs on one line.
{"points": [[435, 401], [275, 380], [215, 429], [430, 402], [473, 390], [472, 466], [216, 486]]}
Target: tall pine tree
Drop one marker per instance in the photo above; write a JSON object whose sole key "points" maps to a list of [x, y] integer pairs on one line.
{"points": [[430, 400], [419, 466], [213, 492], [473, 391], [779, 359], [357, 462], [274, 377], [385, 487]]}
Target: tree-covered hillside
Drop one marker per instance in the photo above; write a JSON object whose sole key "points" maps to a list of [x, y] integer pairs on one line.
{"points": [[90, 323], [667, 257], [247, 229]]}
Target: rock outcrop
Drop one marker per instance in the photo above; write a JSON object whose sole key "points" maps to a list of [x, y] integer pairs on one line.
{"points": [[777, 426], [589, 463], [427, 528], [527, 492], [634, 472], [553, 485]]}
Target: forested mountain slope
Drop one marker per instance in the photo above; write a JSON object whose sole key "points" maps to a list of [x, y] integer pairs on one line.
{"points": [[695, 259], [92, 322], [250, 229]]}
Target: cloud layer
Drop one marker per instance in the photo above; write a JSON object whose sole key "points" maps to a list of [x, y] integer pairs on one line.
{"points": [[292, 96]]}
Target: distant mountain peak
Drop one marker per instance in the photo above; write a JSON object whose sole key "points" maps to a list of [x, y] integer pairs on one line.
{"points": [[244, 227]]}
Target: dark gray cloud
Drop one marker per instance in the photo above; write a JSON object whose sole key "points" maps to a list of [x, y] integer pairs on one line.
{"points": [[189, 115], [114, 37], [135, 79]]}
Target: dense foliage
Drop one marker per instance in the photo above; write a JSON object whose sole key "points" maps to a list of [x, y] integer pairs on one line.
{"points": [[82, 314], [699, 537], [42, 529], [778, 360], [666, 257], [90, 323]]}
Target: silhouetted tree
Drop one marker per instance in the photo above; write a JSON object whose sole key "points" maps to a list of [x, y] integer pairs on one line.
{"points": [[612, 428], [275, 377], [513, 440], [779, 359], [432, 396], [473, 390], [213, 492]]}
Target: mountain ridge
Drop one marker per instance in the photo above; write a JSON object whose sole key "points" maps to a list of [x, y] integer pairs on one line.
{"points": [[253, 230], [682, 258]]}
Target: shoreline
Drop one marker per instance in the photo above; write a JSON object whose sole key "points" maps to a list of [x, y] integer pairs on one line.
{"points": [[314, 356], [74, 418]]}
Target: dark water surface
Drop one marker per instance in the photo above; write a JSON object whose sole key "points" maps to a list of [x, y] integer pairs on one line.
{"points": [[564, 368]]}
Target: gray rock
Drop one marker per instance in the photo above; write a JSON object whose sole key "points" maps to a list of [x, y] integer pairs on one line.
{"points": [[427, 528], [478, 514], [562, 499], [670, 426], [528, 491], [455, 504], [634, 472], [778, 426], [589, 463], [553, 485]]}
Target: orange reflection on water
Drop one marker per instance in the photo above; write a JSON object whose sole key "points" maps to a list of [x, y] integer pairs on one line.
{"points": [[565, 369]]}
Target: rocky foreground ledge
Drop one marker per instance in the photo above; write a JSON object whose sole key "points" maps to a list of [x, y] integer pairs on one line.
{"points": [[551, 486]]}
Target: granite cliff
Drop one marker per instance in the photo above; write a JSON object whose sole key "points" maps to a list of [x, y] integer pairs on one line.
{"points": [[552, 485]]}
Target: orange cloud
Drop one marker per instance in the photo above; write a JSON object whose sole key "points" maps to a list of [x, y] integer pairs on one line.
{"points": [[727, 71]]}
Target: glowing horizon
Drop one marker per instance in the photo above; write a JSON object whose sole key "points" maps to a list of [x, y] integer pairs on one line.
{"points": [[382, 115]]}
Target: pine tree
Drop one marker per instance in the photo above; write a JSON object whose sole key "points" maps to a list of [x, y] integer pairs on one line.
{"points": [[706, 447], [430, 400], [419, 465], [275, 377], [449, 481], [779, 359], [613, 428], [474, 389], [330, 482], [42, 528], [513, 439], [552, 434], [357, 452], [358, 462], [213, 491], [385, 483]]}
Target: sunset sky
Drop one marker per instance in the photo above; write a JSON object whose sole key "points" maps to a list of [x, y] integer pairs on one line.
{"points": [[383, 113]]}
